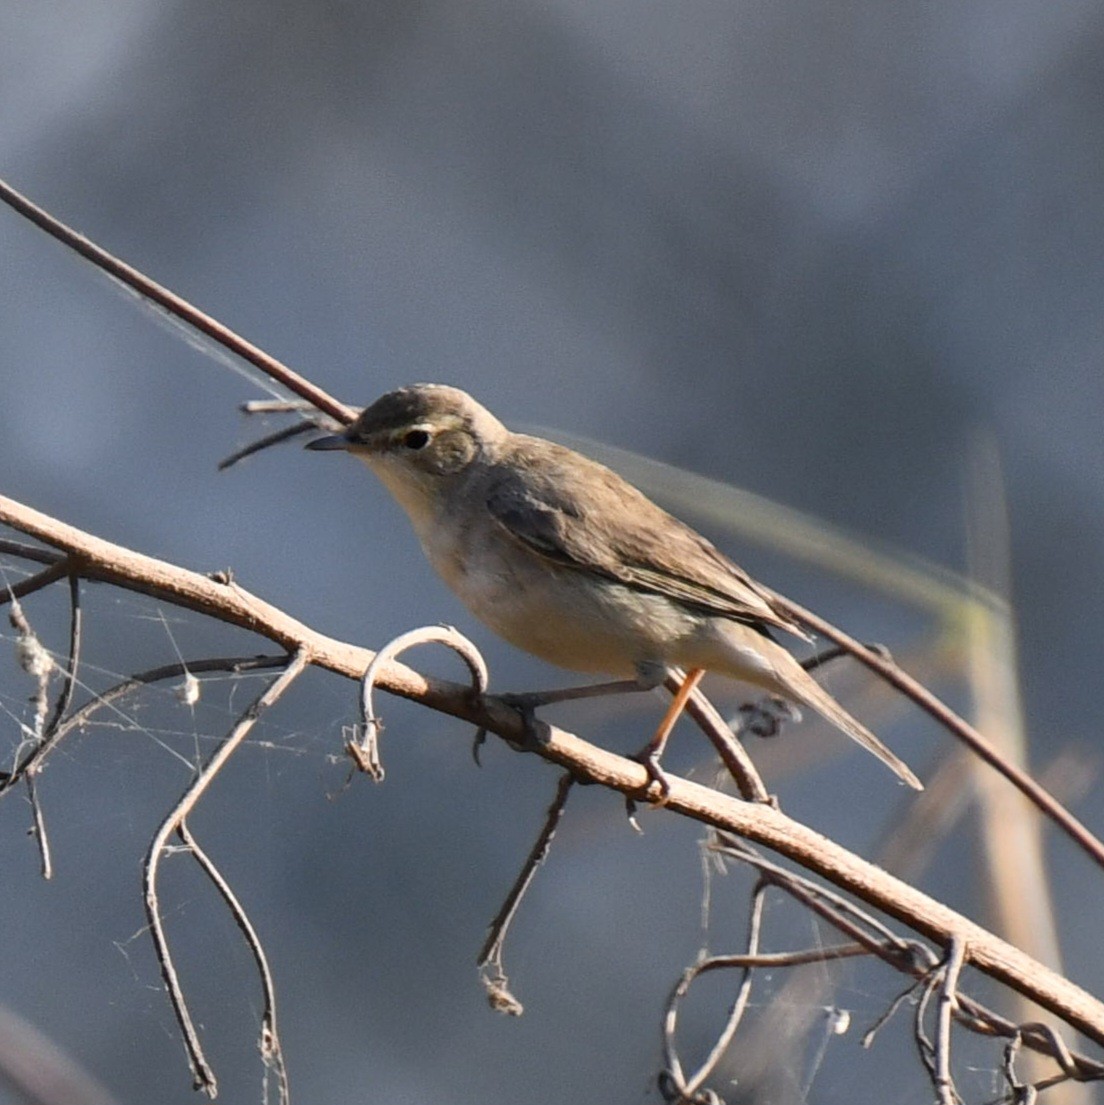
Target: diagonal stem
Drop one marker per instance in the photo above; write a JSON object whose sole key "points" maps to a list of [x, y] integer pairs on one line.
{"points": [[961, 729], [203, 1075]]}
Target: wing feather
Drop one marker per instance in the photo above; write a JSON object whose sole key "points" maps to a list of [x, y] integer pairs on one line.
{"points": [[580, 515]]}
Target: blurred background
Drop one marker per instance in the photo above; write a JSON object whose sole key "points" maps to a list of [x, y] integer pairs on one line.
{"points": [[818, 252]]}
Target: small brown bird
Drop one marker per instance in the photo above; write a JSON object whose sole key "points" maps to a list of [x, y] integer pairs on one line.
{"points": [[565, 560]]}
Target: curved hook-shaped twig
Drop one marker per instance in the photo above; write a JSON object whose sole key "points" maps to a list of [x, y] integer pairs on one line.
{"points": [[363, 747]]}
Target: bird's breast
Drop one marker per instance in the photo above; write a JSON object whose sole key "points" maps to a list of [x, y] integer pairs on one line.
{"points": [[568, 616]]}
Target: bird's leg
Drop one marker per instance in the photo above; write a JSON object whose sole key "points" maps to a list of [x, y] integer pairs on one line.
{"points": [[649, 676], [650, 754], [528, 701]]}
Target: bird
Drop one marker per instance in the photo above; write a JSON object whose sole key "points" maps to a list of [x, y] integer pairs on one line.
{"points": [[566, 560]]}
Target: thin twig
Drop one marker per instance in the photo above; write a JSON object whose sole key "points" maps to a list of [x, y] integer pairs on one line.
{"points": [[46, 863], [837, 652], [61, 706], [278, 437], [202, 1073], [489, 961], [51, 574], [272, 1054], [848, 918], [34, 761], [925, 1047], [72, 661], [954, 724], [888, 1014], [175, 306], [948, 1006], [775, 960], [33, 553], [676, 1087], [732, 753], [37, 662], [1022, 1093]]}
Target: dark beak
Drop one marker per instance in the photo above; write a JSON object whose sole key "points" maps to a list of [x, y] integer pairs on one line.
{"points": [[328, 444]]}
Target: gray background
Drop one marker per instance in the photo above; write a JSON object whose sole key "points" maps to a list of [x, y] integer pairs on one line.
{"points": [[809, 249]]}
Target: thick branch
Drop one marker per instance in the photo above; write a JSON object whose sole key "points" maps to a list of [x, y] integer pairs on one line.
{"points": [[758, 822]]}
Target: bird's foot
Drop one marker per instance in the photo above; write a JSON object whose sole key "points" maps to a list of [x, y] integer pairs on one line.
{"points": [[535, 731], [658, 779], [765, 717]]}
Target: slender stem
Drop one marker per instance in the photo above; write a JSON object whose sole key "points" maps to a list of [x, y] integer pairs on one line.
{"points": [[204, 1076], [948, 1004], [175, 306], [957, 726], [490, 955], [271, 1051]]}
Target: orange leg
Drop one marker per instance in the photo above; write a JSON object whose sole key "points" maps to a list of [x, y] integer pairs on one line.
{"points": [[649, 755]]}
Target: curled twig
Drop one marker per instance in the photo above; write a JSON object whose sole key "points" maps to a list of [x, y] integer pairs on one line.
{"points": [[676, 1087], [363, 746]]}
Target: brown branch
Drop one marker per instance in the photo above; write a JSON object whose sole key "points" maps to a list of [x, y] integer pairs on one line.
{"points": [[175, 306], [758, 822], [957, 726]]}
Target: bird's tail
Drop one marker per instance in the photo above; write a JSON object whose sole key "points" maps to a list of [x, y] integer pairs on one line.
{"points": [[801, 686]]}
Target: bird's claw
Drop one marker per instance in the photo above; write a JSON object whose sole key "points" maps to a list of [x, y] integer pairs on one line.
{"points": [[477, 744], [526, 705], [656, 776], [648, 758]]}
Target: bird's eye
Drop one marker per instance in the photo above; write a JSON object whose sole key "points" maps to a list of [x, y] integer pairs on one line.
{"points": [[415, 439]]}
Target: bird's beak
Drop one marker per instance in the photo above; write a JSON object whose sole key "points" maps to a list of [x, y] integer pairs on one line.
{"points": [[328, 444]]}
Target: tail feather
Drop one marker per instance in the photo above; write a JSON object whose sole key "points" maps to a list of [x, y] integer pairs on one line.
{"points": [[809, 693], [744, 653]]}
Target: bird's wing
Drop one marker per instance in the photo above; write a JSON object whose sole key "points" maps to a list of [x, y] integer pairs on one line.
{"points": [[580, 515]]}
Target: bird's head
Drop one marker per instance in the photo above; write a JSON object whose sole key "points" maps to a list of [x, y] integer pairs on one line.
{"points": [[417, 438]]}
